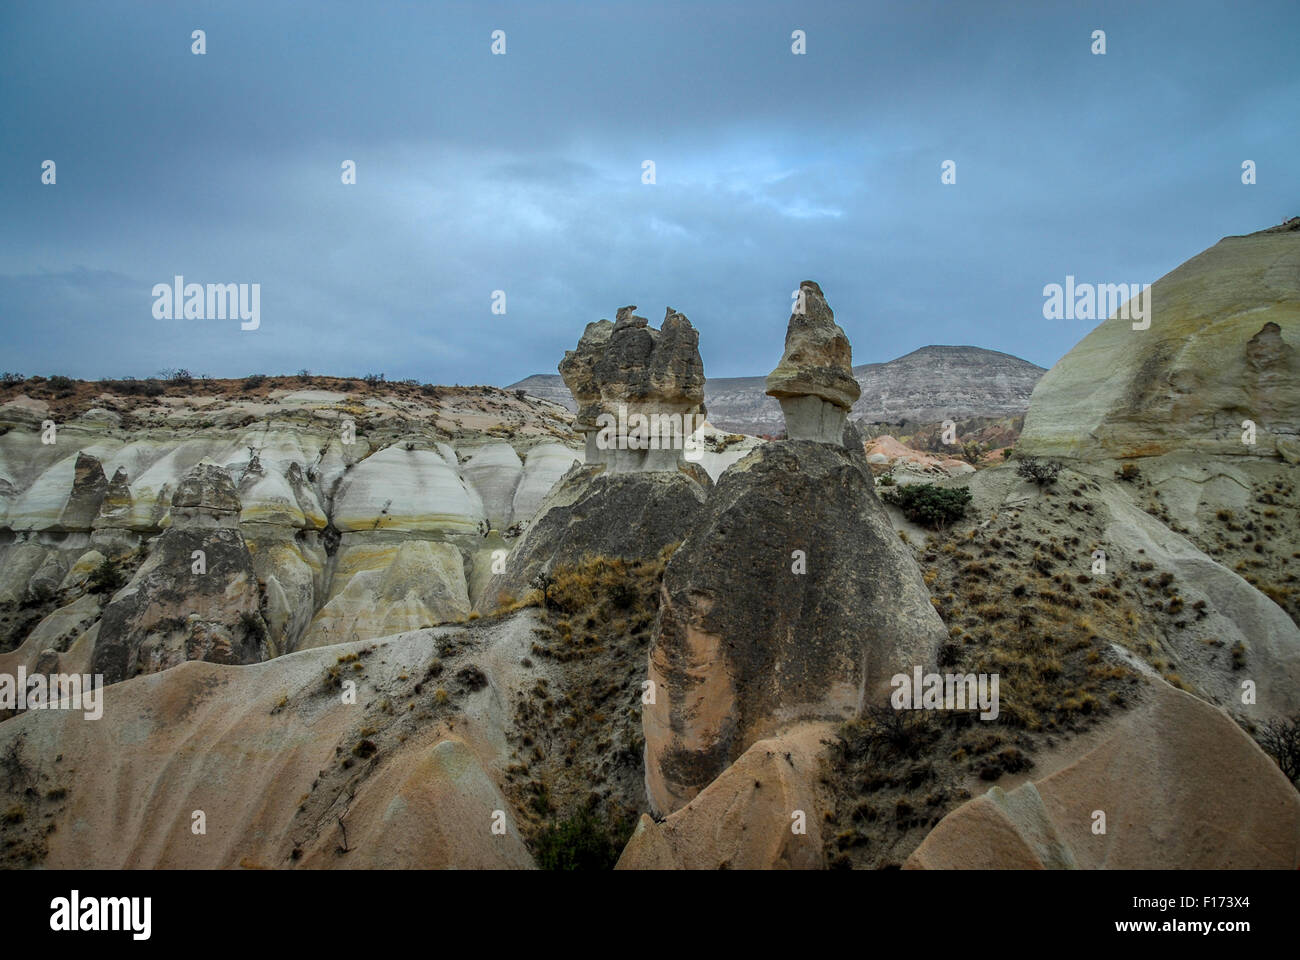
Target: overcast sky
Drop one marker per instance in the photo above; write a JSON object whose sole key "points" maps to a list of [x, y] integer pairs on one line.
{"points": [[523, 173]]}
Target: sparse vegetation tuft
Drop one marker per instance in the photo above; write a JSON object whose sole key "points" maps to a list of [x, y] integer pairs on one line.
{"points": [[106, 578], [582, 842], [1280, 739], [1041, 472]]}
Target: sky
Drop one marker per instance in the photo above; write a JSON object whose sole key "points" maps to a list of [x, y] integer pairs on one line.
{"points": [[523, 173]]}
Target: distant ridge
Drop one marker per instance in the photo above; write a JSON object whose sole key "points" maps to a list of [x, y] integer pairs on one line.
{"points": [[932, 383]]}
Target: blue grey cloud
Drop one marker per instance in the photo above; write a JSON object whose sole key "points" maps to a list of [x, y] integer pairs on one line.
{"points": [[522, 173]]}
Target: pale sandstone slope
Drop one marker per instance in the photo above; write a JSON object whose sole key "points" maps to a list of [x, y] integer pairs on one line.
{"points": [[1221, 348]]}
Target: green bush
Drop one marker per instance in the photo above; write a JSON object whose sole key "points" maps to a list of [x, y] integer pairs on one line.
{"points": [[131, 387], [58, 382], [106, 578], [927, 504], [581, 842], [254, 625]]}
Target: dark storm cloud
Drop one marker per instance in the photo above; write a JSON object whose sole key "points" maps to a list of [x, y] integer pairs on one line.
{"points": [[523, 173]]}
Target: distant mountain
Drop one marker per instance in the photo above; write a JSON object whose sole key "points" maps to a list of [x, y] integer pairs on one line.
{"points": [[929, 384], [547, 386], [941, 383]]}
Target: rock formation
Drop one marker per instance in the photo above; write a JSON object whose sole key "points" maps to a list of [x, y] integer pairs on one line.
{"points": [[640, 405], [258, 749], [1221, 349], [590, 513], [392, 503], [338, 528], [1181, 786], [814, 380], [626, 371], [65, 497], [391, 588], [791, 598], [743, 820], [195, 598]]}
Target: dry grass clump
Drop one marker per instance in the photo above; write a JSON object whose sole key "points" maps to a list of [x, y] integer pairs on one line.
{"points": [[577, 780], [1258, 541], [1020, 600]]}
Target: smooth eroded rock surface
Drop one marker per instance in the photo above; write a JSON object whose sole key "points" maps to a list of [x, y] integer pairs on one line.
{"points": [[1221, 349], [791, 599], [1181, 786]]}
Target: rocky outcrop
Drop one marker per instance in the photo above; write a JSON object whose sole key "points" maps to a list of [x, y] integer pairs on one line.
{"points": [[903, 464], [597, 514], [814, 380], [318, 475], [544, 465], [1220, 349], [626, 371], [389, 588], [195, 597], [638, 491], [1180, 786], [761, 813], [65, 497], [494, 471], [791, 599], [205, 497], [410, 491]]}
